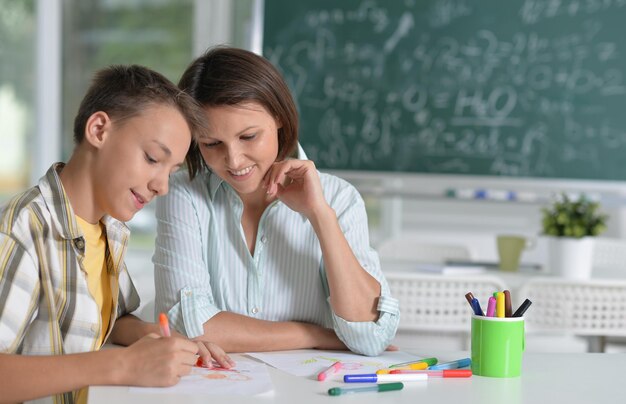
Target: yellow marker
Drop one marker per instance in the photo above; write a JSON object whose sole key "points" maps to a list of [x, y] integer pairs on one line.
{"points": [[500, 305], [412, 366]]}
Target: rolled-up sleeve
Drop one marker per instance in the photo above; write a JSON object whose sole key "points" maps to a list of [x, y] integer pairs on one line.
{"points": [[371, 337], [182, 280]]}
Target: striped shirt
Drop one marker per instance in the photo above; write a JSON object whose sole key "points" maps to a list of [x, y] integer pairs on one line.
{"points": [[203, 265], [45, 304]]}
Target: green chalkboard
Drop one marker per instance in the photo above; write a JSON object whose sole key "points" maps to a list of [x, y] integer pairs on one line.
{"points": [[525, 88]]}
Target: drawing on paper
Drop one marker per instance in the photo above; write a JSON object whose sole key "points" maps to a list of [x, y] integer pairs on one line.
{"points": [[327, 361], [218, 374], [247, 378], [309, 363]]}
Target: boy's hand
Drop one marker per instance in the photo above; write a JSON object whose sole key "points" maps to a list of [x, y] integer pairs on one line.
{"points": [[210, 352], [157, 361]]}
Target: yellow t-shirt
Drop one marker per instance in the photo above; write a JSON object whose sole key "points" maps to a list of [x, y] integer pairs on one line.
{"points": [[95, 266]]}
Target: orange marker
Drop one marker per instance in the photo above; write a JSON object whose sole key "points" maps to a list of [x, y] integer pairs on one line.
{"points": [[164, 324]]}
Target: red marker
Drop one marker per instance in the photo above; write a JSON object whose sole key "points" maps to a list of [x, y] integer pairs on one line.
{"points": [[164, 324], [335, 367], [438, 373]]}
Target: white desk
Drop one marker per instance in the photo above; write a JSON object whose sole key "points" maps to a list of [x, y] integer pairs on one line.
{"points": [[546, 378]]}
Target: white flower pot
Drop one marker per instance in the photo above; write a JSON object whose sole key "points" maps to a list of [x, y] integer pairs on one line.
{"points": [[570, 258]]}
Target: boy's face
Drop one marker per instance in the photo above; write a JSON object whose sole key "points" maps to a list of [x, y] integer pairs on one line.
{"points": [[136, 158]]}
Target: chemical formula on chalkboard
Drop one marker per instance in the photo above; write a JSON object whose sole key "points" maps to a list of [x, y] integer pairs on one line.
{"points": [[528, 88]]}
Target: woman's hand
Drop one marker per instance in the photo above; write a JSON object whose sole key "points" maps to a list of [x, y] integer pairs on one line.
{"points": [[297, 184]]}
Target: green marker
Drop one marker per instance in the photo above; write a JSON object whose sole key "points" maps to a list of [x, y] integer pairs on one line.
{"points": [[337, 391], [428, 361]]}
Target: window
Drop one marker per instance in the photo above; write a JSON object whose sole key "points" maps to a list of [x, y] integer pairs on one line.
{"points": [[17, 103]]}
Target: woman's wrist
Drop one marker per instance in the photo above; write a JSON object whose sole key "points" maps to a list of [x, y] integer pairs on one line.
{"points": [[322, 216]]}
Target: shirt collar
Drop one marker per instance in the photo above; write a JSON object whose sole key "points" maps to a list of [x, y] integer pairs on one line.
{"points": [[63, 216], [58, 203], [214, 183]]}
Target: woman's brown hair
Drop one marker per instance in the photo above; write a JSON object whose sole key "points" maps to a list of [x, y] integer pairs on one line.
{"points": [[231, 76]]}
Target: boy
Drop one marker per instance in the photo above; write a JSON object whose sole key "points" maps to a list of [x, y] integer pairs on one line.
{"points": [[64, 287]]}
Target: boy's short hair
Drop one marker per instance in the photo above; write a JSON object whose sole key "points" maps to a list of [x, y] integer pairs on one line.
{"points": [[231, 76], [125, 91]]}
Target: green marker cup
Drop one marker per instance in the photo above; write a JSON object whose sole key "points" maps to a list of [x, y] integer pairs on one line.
{"points": [[497, 346]]}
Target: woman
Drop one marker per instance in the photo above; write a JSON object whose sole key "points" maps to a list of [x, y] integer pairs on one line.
{"points": [[259, 251]]}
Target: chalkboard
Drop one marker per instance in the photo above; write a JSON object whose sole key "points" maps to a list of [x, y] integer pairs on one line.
{"points": [[525, 88]]}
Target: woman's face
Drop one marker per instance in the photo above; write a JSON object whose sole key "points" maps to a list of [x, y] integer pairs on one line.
{"points": [[241, 146]]}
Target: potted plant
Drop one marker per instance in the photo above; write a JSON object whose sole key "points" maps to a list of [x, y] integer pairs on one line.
{"points": [[571, 224]]}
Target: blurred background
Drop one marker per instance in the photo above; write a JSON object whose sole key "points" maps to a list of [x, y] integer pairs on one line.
{"points": [[49, 50]]}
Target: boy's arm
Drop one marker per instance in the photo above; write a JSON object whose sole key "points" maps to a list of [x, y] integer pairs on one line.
{"points": [[152, 361], [128, 329]]}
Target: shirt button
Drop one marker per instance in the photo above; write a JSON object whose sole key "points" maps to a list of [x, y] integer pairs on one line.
{"points": [[255, 310], [263, 239], [79, 243]]}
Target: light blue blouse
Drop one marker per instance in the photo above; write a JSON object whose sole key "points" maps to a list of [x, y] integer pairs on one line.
{"points": [[203, 265]]}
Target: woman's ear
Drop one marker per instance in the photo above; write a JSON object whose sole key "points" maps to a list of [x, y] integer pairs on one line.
{"points": [[97, 129]]}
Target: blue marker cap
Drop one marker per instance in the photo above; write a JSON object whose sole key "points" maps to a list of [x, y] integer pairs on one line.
{"points": [[362, 378], [476, 307], [461, 363]]}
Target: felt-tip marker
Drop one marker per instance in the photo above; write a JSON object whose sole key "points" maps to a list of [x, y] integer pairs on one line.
{"points": [[375, 378], [337, 391], [437, 373], [335, 367], [461, 363], [164, 325], [428, 361], [414, 366], [522, 308]]}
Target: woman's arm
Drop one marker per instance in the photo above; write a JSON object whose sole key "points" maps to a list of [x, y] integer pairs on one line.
{"points": [[183, 282], [353, 291], [365, 316], [240, 333]]}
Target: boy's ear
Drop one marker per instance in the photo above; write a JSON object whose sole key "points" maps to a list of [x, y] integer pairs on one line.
{"points": [[97, 128]]}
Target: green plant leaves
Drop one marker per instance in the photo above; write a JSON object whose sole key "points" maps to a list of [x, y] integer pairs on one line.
{"points": [[573, 218]]}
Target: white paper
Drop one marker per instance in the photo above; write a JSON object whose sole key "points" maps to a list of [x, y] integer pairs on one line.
{"points": [[246, 378], [308, 363]]}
